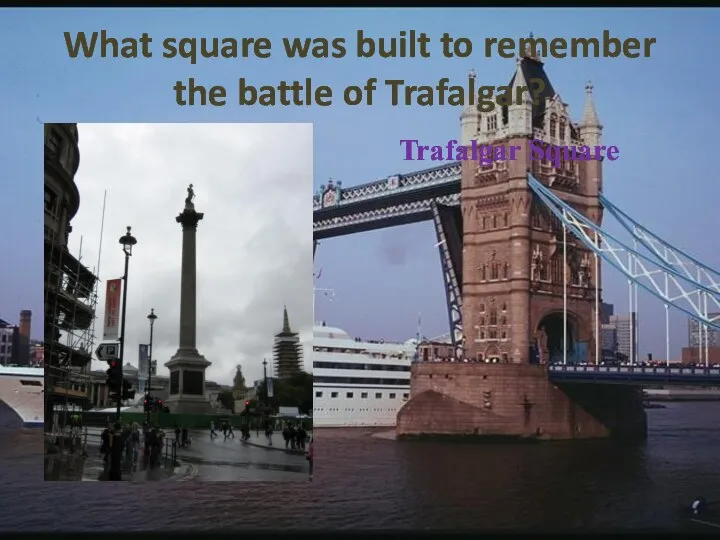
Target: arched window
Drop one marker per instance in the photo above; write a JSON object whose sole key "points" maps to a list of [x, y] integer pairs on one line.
{"points": [[493, 317], [494, 271], [561, 135], [484, 275], [494, 222], [482, 308], [482, 321], [482, 334], [505, 220], [505, 270], [553, 124]]}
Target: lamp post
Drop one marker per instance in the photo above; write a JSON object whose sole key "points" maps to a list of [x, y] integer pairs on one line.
{"points": [[265, 397], [127, 242], [151, 318]]}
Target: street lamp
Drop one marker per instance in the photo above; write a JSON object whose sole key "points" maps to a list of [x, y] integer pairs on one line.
{"points": [[151, 318], [265, 377], [127, 242]]}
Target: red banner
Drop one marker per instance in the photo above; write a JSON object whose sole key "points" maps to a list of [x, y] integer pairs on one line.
{"points": [[111, 329]]}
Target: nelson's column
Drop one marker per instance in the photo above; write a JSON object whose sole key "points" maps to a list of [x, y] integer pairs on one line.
{"points": [[187, 366]]}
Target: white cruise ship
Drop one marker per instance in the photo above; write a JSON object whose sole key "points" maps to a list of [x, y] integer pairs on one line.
{"points": [[21, 397], [358, 383]]}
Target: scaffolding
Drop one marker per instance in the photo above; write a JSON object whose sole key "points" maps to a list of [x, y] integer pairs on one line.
{"points": [[70, 302]]}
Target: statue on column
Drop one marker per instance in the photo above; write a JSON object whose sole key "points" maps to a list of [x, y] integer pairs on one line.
{"points": [[190, 195]]}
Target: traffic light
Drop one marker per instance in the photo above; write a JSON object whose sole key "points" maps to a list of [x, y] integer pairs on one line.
{"points": [[127, 391], [158, 405], [114, 376], [247, 405], [146, 404]]}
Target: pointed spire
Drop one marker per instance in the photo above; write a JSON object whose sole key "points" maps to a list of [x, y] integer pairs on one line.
{"points": [[590, 116], [529, 52], [520, 81], [469, 109], [286, 321]]}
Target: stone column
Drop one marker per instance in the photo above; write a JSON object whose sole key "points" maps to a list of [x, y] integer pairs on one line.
{"points": [[187, 358], [189, 219]]}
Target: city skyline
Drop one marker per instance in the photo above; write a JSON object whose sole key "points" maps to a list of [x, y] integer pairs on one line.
{"points": [[241, 243]]}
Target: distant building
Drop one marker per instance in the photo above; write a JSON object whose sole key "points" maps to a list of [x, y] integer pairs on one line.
{"points": [[694, 328], [606, 311], [9, 338], [436, 349], [691, 355], [287, 353], [626, 334], [608, 337]]}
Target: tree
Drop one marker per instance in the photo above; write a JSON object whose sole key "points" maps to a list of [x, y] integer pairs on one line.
{"points": [[227, 399], [295, 391], [239, 379]]}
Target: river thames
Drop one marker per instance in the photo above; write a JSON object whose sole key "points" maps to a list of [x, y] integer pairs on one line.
{"points": [[367, 482]]}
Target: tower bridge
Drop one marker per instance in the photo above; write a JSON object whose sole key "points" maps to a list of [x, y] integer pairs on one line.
{"points": [[521, 245]]}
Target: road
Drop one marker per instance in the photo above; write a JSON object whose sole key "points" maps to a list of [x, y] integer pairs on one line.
{"points": [[229, 460]]}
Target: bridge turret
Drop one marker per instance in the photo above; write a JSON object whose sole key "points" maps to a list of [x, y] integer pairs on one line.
{"points": [[520, 114], [470, 118], [590, 131]]}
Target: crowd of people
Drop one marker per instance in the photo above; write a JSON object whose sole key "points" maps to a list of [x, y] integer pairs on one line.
{"points": [[126, 447], [122, 444]]}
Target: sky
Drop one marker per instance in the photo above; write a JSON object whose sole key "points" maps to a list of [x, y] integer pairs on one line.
{"points": [[253, 244], [661, 112]]}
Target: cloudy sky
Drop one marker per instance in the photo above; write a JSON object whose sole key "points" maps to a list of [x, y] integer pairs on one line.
{"points": [[254, 245]]}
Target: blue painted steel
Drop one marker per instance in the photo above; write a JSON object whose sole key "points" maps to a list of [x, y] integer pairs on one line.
{"points": [[552, 201], [628, 223]]}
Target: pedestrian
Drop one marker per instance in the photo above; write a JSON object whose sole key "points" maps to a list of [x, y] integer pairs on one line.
{"points": [[117, 446], [310, 456], [302, 436], [286, 435], [105, 445], [177, 434], [185, 437], [230, 430], [135, 445], [212, 429]]}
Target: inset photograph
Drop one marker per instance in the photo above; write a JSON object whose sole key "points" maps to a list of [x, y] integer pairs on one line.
{"points": [[178, 302]]}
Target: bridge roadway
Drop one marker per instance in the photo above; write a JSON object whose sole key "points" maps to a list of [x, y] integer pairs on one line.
{"points": [[634, 375]]}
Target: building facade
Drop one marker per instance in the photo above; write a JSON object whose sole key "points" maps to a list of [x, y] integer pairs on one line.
{"points": [[9, 335], [625, 335], [698, 335], [70, 288]]}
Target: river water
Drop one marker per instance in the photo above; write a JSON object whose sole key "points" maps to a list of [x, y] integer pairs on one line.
{"points": [[367, 482]]}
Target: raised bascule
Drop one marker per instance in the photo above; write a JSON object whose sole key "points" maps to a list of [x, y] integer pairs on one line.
{"points": [[187, 367], [521, 245]]}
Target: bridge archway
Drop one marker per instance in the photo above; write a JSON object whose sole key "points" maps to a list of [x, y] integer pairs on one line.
{"points": [[549, 339]]}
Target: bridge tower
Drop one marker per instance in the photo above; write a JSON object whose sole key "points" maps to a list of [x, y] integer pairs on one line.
{"points": [[526, 299], [513, 260]]}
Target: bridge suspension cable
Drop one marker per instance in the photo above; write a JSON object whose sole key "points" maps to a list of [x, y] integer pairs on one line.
{"points": [[666, 252], [678, 290]]}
